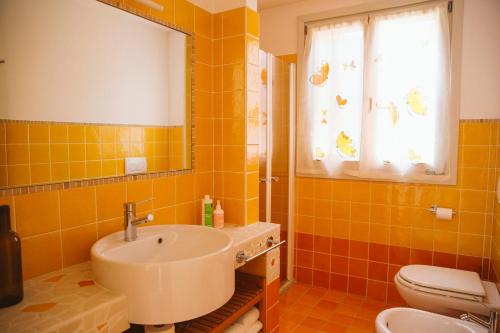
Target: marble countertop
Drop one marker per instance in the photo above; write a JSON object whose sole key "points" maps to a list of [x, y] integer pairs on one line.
{"points": [[66, 301]]}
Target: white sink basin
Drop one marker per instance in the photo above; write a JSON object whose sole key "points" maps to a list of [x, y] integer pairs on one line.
{"points": [[171, 273], [408, 320]]}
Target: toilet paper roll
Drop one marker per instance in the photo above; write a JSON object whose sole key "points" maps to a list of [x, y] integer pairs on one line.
{"points": [[444, 213]]}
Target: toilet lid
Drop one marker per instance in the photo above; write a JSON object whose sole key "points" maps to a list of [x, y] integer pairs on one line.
{"points": [[442, 278]]}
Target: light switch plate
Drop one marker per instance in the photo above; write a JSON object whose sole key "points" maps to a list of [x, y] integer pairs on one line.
{"points": [[135, 165]]}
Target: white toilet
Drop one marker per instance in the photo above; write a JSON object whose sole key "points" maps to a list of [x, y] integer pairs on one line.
{"points": [[446, 291]]}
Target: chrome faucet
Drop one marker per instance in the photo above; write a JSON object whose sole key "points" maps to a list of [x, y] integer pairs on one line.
{"points": [[131, 221], [491, 324]]}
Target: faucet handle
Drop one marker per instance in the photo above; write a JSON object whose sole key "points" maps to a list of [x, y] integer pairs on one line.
{"points": [[150, 217]]}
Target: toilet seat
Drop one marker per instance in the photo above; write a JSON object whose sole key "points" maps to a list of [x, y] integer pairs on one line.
{"points": [[442, 281]]}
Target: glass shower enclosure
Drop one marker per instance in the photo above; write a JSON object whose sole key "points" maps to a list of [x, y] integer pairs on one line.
{"points": [[276, 152]]}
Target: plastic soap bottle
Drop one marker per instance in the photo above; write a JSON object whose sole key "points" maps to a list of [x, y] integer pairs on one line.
{"points": [[218, 216], [206, 211]]}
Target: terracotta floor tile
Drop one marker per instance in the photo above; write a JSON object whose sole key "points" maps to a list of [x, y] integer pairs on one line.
{"points": [[326, 304], [363, 324], [335, 296], [293, 317], [305, 329], [305, 309], [287, 326], [341, 318], [335, 327], [313, 322], [320, 313], [309, 300], [317, 292]]}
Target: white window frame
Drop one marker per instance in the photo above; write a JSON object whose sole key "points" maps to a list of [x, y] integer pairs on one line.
{"points": [[456, 24]]}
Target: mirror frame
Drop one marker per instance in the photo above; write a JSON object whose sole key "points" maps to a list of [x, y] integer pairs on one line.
{"points": [[118, 5], [189, 151]]}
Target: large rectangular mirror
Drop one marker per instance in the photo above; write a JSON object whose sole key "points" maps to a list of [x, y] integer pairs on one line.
{"points": [[85, 87]]}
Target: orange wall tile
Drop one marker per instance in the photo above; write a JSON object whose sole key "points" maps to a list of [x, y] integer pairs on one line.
{"points": [[393, 215], [57, 228], [53, 152], [235, 180], [57, 232]]}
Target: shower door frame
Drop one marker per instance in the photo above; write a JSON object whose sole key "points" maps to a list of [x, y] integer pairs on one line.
{"points": [[291, 158]]}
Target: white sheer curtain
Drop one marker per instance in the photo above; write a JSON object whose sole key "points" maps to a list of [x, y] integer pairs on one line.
{"points": [[406, 118], [331, 104], [393, 73]]}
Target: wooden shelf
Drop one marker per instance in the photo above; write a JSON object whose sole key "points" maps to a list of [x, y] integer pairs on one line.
{"points": [[249, 290]]}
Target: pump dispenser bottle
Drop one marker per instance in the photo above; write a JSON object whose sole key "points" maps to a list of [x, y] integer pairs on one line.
{"points": [[218, 216]]}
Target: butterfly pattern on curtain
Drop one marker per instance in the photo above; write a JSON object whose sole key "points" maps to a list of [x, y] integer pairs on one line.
{"points": [[375, 101], [406, 130], [335, 86]]}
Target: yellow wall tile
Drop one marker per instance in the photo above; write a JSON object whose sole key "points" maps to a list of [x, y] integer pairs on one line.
{"points": [[39, 153], [58, 133], [204, 50], [76, 152], [77, 170], [141, 192], [167, 14], [93, 169], [37, 213], [18, 154], [253, 24], [184, 188], [59, 172], [59, 152], [252, 211], [109, 226], [184, 14], [234, 185], [234, 158], [445, 242], [110, 201], [38, 133], [233, 22], [233, 77], [252, 185], [471, 245], [217, 25], [184, 213], [233, 50], [76, 134], [40, 173], [76, 243], [18, 175], [234, 211], [41, 254], [16, 133], [202, 22], [78, 206]]}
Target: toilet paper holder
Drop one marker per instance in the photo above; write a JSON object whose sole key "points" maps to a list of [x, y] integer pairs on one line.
{"points": [[434, 208]]}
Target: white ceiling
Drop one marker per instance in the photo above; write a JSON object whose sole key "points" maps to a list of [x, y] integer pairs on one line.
{"points": [[265, 4]]}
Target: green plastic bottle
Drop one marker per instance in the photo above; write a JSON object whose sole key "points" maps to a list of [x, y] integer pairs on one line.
{"points": [[207, 218]]}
